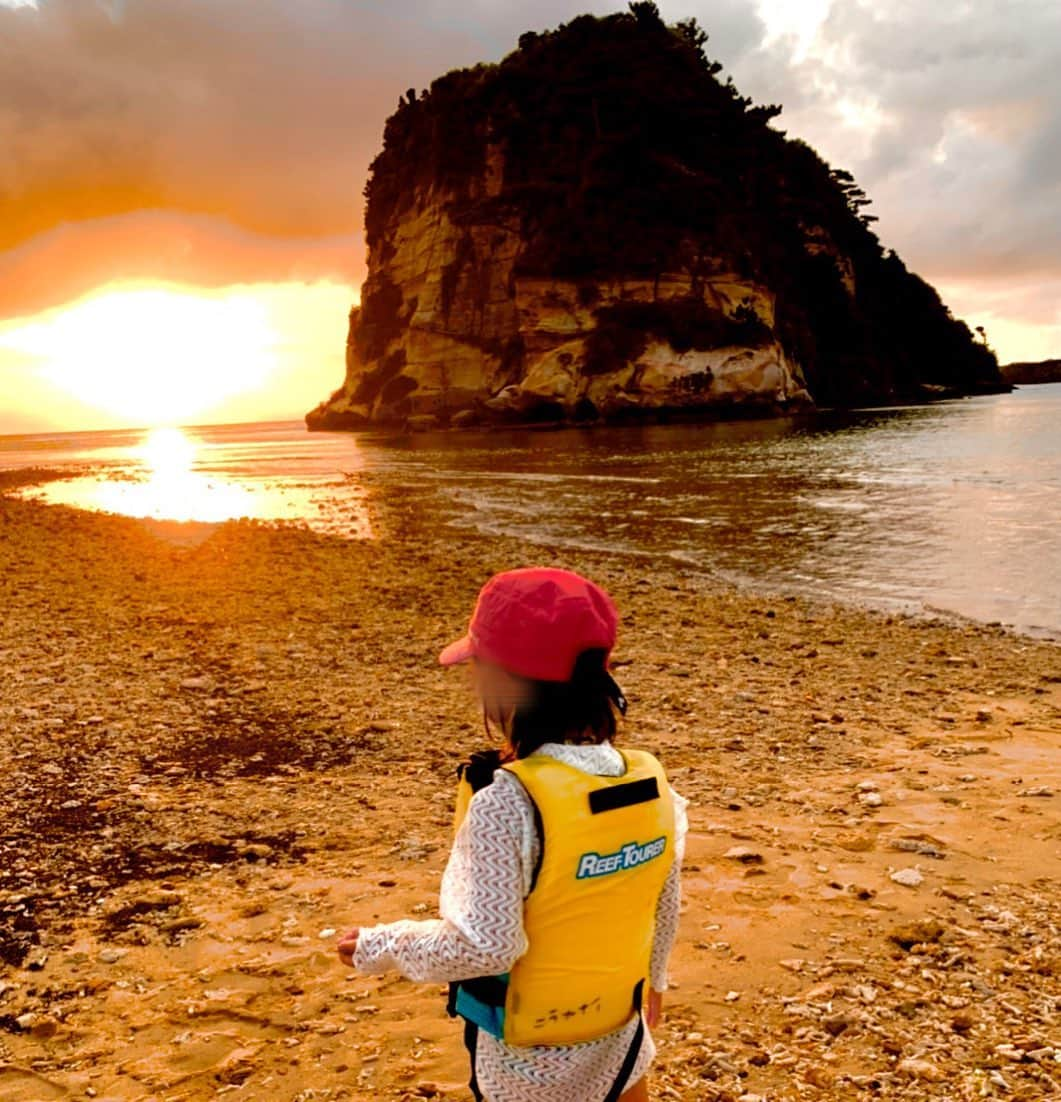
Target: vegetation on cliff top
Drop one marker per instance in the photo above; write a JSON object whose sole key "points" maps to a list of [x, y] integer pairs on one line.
{"points": [[1042, 371], [624, 154]]}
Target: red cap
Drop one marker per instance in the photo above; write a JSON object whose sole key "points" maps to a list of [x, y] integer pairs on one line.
{"points": [[535, 621]]}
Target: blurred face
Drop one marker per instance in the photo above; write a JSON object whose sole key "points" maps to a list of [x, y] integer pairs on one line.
{"points": [[499, 691]]}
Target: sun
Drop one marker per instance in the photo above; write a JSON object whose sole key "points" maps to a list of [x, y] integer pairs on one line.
{"points": [[152, 355]]}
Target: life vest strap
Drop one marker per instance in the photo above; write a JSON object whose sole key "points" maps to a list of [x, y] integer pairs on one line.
{"points": [[632, 1053], [623, 795], [486, 1012], [471, 1042], [489, 990], [478, 770]]}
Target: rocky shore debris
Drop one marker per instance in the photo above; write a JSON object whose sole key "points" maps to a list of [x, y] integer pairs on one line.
{"points": [[176, 861]]}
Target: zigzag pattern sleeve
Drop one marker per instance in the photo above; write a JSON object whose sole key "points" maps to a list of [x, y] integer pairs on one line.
{"points": [[668, 909], [481, 930]]}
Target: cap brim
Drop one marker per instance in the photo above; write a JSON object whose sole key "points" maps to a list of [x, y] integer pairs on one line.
{"points": [[459, 651]]}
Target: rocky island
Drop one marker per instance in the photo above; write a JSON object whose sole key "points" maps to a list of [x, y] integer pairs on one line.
{"points": [[598, 227]]}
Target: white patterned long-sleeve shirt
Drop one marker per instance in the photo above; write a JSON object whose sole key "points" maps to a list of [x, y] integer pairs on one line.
{"points": [[486, 881]]}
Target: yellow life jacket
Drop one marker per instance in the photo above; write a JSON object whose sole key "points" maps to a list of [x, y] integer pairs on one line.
{"points": [[607, 847]]}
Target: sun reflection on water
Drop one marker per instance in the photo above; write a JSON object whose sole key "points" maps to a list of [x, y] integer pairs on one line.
{"points": [[167, 449], [163, 478], [174, 489]]}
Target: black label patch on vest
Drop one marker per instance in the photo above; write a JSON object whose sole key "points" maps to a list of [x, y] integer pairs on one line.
{"points": [[623, 795]]}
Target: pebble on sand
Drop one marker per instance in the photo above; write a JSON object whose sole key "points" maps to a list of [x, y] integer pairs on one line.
{"points": [[909, 878]]}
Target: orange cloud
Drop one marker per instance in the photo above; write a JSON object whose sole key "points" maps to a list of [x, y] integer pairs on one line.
{"points": [[193, 140], [71, 259], [220, 141]]}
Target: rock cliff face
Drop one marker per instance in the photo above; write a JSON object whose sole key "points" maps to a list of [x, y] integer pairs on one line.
{"points": [[598, 228]]}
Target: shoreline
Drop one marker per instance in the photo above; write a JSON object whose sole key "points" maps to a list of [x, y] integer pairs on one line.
{"points": [[21, 478], [218, 752], [482, 419]]}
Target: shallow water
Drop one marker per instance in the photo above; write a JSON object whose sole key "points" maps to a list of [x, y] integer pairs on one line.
{"points": [[268, 471], [954, 506]]}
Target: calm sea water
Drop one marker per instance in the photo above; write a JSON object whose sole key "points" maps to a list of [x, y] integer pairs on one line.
{"points": [[952, 507]]}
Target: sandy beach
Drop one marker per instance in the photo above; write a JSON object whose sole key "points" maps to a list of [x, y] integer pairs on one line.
{"points": [[220, 746]]}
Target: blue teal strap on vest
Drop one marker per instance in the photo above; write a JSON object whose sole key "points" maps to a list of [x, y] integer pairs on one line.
{"points": [[482, 1001], [488, 1018]]}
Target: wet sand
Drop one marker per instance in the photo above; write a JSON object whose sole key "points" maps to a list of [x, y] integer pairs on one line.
{"points": [[220, 746]]}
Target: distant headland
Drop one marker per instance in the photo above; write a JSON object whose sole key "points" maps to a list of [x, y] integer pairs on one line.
{"points": [[1043, 371], [598, 228]]}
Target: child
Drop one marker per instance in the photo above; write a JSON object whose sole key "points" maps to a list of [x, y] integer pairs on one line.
{"points": [[560, 898]]}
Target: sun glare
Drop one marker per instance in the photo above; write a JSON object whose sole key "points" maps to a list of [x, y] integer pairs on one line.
{"points": [[167, 451], [173, 490], [151, 355]]}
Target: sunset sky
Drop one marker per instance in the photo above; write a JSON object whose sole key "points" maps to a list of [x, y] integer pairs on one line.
{"points": [[180, 180]]}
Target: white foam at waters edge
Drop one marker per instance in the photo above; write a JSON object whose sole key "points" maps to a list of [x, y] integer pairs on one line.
{"points": [[532, 476]]}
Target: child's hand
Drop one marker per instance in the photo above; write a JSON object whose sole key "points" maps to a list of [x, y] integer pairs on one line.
{"points": [[347, 945], [654, 1009]]}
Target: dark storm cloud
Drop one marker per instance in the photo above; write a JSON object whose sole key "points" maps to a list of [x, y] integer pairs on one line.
{"points": [[958, 140]]}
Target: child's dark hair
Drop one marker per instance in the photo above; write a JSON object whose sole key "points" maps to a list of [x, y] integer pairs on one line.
{"points": [[581, 709]]}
